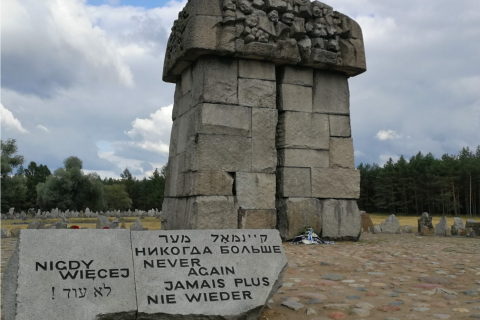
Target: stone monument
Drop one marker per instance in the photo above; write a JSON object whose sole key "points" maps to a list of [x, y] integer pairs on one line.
{"points": [[261, 133], [164, 275]]}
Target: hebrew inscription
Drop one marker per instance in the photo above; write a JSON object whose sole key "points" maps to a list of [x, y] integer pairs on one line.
{"points": [[206, 272], [101, 274]]}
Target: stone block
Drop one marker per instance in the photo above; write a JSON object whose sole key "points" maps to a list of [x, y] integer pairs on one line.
{"points": [[256, 93], [294, 182], [341, 220], [202, 273], [223, 119], [186, 130], [254, 69], [208, 183], [294, 214], [41, 283], [340, 126], [264, 153], [360, 60], [257, 219], [186, 81], [215, 79], [306, 158], [211, 212], [302, 76], [294, 98], [341, 153], [174, 214], [330, 93], [200, 35], [220, 152], [335, 183], [303, 130], [182, 105], [255, 190]]}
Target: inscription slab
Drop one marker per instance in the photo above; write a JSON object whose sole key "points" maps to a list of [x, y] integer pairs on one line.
{"points": [[126, 275], [206, 274], [70, 274]]}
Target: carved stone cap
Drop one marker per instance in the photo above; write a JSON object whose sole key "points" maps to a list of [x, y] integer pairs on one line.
{"points": [[295, 32]]}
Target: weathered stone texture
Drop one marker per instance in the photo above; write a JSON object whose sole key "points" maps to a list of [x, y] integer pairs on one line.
{"points": [[330, 93], [341, 153], [294, 98], [222, 152], [257, 219], [294, 182], [340, 126], [303, 158], [341, 220], [296, 75], [303, 130], [335, 183], [256, 93], [255, 190], [215, 79], [222, 119], [253, 69], [208, 183], [264, 153], [294, 214]]}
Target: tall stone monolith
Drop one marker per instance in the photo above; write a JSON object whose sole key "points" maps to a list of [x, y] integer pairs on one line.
{"points": [[261, 134]]}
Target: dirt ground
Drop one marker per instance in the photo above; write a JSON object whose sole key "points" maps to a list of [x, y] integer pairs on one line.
{"points": [[376, 272]]}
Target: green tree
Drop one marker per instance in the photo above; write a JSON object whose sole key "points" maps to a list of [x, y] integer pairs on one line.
{"points": [[117, 197], [35, 175], [13, 187], [69, 188]]}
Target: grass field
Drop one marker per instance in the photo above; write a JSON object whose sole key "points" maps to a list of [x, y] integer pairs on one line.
{"points": [[148, 222], [155, 224], [412, 220]]}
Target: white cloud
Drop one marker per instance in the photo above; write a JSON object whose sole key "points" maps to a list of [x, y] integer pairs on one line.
{"points": [[153, 134], [387, 135], [43, 128], [9, 121], [51, 45]]}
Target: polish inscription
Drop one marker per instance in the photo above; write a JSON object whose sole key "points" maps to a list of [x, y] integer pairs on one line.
{"points": [[206, 272], [74, 274]]}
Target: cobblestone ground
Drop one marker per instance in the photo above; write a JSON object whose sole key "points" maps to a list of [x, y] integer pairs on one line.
{"points": [[382, 277]]}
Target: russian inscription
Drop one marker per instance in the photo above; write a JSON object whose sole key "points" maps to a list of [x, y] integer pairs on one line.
{"points": [[206, 272]]}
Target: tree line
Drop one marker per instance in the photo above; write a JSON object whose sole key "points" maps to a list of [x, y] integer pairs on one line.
{"points": [[446, 186], [69, 188]]}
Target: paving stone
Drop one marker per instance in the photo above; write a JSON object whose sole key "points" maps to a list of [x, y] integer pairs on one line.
{"points": [[360, 312], [332, 277], [293, 305]]}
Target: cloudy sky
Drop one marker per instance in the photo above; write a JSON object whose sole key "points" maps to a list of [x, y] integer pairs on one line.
{"points": [[83, 78]]}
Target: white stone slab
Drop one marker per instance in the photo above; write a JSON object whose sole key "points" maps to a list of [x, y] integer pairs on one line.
{"points": [[214, 274], [70, 274]]}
